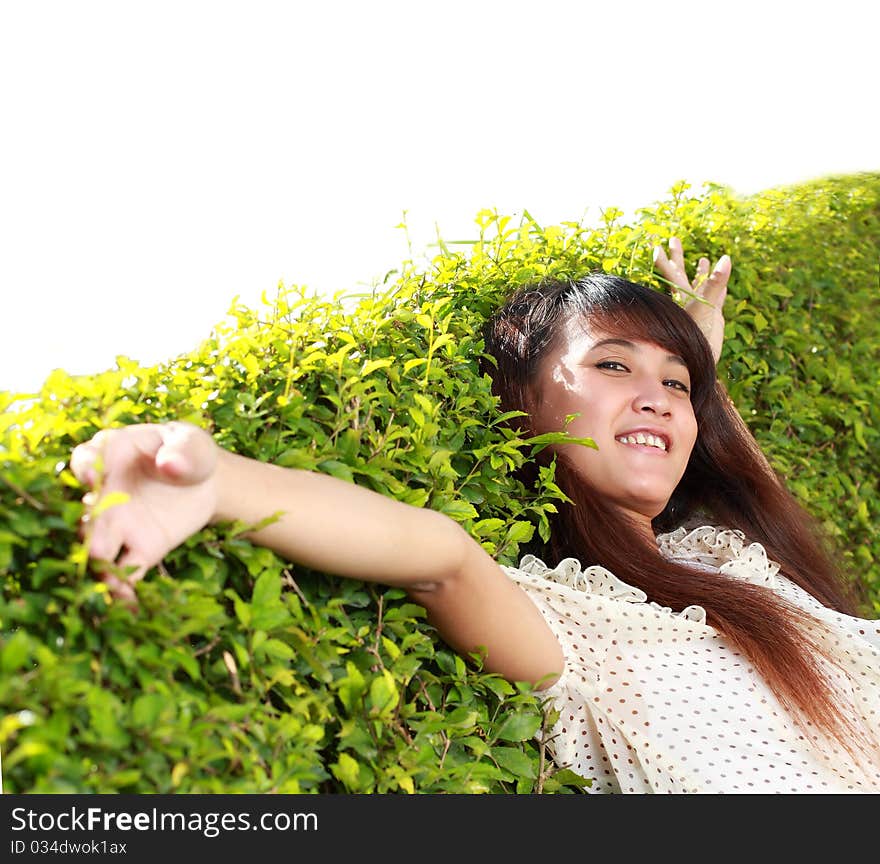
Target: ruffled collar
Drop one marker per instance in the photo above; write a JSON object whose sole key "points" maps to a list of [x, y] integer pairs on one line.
{"points": [[705, 547], [598, 580], [724, 549]]}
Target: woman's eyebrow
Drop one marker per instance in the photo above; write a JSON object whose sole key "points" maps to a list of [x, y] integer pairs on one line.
{"points": [[625, 343]]}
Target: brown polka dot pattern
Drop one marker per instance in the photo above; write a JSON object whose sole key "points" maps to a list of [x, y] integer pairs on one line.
{"points": [[656, 701]]}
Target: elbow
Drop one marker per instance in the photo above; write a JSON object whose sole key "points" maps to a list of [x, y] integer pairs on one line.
{"points": [[447, 556]]}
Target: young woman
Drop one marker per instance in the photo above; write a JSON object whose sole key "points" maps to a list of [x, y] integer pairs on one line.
{"points": [[691, 630]]}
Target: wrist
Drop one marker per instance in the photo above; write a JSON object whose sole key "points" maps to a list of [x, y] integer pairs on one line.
{"points": [[223, 483]]}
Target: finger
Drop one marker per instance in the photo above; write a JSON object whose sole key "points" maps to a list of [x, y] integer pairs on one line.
{"points": [[715, 293], [121, 577], [701, 274], [101, 437], [660, 258], [723, 267], [715, 289], [661, 262], [170, 458], [104, 539], [145, 438], [82, 463], [121, 590], [115, 447], [677, 253], [668, 270], [129, 560], [87, 460]]}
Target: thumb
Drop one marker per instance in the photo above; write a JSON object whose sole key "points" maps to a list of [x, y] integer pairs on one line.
{"points": [[181, 456], [171, 463]]}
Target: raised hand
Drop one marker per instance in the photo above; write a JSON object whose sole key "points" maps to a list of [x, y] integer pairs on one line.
{"points": [[152, 487], [705, 294]]}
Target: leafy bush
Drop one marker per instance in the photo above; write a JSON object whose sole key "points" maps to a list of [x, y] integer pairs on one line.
{"points": [[246, 673]]}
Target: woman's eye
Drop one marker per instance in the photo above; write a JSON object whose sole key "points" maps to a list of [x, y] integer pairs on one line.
{"points": [[678, 385], [617, 366]]}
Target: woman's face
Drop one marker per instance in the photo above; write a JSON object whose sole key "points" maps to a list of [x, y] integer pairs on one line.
{"points": [[633, 398]]}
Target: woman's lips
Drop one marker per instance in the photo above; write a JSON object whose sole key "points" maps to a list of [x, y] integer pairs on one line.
{"points": [[645, 439]]}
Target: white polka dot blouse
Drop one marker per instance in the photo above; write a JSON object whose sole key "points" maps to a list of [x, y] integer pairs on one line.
{"points": [[655, 701]]}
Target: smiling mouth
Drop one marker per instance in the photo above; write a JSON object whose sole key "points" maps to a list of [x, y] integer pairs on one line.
{"points": [[643, 441]]}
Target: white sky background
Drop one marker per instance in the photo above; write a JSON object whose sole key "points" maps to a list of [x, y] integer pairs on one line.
{"points": [[159, 158]]}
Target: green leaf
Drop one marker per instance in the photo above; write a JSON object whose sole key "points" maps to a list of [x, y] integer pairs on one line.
{"points": [[859, 434], [347, 770], [146, 709], [15, 653], [514, 761], [486, 527], [459, 510], [278, 649], [267, 590], [539, 442], [567, 777], [372, 365], [108, 501], [519, 726], [383, 693], [174, 656], [270, 617], [520, 532], [337, 469]]}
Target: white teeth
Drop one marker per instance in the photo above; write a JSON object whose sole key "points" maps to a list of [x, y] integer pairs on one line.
{"points": [[642, 438]]}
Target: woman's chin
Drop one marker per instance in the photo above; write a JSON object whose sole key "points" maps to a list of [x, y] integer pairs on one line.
{"points": [[645, 507]]}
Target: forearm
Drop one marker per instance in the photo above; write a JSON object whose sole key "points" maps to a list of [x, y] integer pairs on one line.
{"points": [[337, 527]]}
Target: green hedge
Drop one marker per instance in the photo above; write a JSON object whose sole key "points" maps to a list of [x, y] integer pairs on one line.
{"points": [[246, 673]]}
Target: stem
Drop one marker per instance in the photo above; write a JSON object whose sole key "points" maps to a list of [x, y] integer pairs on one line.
{"points": [[24, 494]]}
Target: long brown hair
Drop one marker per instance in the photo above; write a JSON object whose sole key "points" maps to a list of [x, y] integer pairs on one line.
{"points": [[727, 479]]}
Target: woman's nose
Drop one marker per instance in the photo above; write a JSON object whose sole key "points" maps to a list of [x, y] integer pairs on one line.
{"points": [[652, 396]]}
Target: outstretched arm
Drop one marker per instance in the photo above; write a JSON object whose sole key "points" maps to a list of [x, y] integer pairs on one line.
{"points": [[705, 295], [177, 480]]}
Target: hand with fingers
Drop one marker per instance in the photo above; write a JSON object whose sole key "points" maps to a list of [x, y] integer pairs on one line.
{"points": [[705, 294], [152, 487]]}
